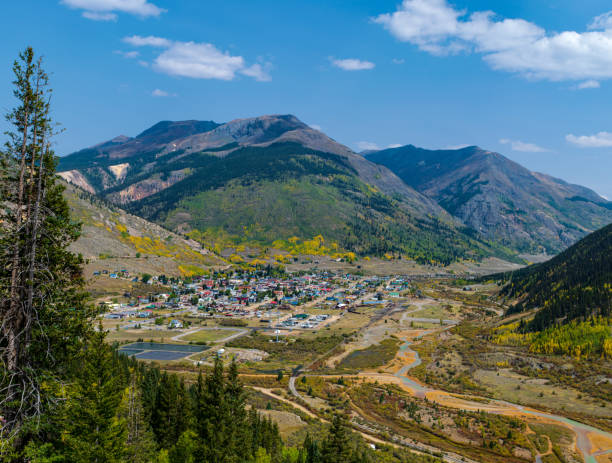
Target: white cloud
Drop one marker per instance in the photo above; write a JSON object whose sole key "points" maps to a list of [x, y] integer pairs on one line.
{"points": [[602, 22], [351, 64], [367, 145], [512, 45], [398, 60], [198, 60], [395, 145], [105, 10], [588, 84], [127, 54], [151, 40], [258, 72], [521, 146], [161, 93], [315, 127], [96, 16], [599, 140]]}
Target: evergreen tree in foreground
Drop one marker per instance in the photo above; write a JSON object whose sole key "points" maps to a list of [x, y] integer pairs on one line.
{"points": [[141, 446], [42, 306], [337, 448], [95, 432]]}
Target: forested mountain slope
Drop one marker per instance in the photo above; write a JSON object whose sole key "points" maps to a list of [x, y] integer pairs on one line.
{"points": [[576, 284], [265, 181], [129, 169], [527, 211]]}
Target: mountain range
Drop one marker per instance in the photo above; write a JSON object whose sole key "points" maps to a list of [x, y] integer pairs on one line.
{"points": [[527, 211], [273, 180]]}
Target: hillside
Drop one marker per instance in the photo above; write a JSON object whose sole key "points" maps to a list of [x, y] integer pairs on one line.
{"points": [[524, 210], [111, 237], [265, 181], [576, 284]]}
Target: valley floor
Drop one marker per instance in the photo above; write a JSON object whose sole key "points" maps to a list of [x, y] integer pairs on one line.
{"points": [[413, 371]]}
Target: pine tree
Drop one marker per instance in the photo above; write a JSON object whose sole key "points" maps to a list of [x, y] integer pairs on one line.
{"points": [[184, 408], [212, 416], [140, 442], [261, 456], [313, 452], [185, 449], [44, 316], [254, 437], [236, 438], [169, 416], [150, 389], [337, 448], [95, 431]]}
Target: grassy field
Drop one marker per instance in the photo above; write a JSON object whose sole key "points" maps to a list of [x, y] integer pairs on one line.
{"points": [[288, 422], [559, 435], [436, 311], [208, 335], [134, 335], [288, 353], [348, 323], [374, 356], [520, 389], [423, 325]]}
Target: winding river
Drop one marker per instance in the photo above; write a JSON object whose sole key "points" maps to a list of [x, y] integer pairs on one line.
{"points": [[582, 431]]}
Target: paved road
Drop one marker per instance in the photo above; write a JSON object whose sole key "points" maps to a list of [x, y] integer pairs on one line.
{"points": [[293, 389], [431, 320]]}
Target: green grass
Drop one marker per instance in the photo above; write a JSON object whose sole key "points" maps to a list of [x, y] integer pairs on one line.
{"points": [[559, 435], [434, 311], [540, 442], [208, 335], [134, 335], [372, 357], [286, 354]]}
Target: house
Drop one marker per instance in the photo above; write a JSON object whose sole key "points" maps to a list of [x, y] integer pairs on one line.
{"points": [[175, 324]]}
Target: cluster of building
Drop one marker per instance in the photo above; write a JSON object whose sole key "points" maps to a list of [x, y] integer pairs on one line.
{"points": [[239, 294], [272, 299], [302, 320]]}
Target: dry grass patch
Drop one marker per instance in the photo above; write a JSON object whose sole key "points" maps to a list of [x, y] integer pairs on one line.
{"points": [[208, 335]]}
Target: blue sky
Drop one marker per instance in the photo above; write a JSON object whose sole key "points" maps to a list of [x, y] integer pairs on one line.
{"points": [[531, 79]]}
